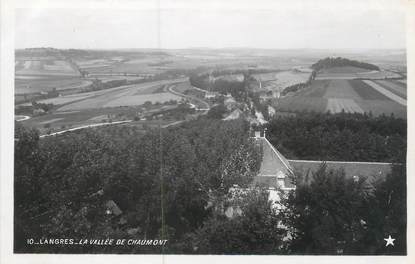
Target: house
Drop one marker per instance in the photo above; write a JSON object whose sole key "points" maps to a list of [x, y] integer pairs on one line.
{"points": [[372, 171], [112, 208], [275, 170], [276, 175]]}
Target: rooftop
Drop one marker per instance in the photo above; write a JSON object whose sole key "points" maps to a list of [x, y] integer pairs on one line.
{"points": [[273, 166], [373, 170], [276, 169]]}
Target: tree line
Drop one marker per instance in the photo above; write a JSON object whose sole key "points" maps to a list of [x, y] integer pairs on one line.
{"points": [[341, 62], [62, 184], [342, 136]]}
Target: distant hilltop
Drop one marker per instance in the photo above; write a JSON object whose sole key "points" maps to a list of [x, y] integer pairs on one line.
{"points": [[342, 62]]}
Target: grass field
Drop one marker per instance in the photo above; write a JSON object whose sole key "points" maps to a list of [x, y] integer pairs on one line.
{"points": [[366, 92], [340, 89], [350, 73], [123, 96], [394, 87], [45, 67], [62, 120], [107, 78], [152, 90], [37, 85], [142, 64], [126, 96], [353, 96], [338, 105], [131, 100], [386, 92], [282, 79]]}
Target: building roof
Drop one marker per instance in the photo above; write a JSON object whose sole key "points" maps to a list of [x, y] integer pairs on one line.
{"points": [[273, 162], [273, 166], [113, 208], [276, 168], [373, 170]]}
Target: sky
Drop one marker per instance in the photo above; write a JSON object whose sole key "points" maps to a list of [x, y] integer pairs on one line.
{"points": [[294, 24]]}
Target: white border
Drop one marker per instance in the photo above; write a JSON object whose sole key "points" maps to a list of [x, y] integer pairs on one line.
{"points": [[7, 123]]}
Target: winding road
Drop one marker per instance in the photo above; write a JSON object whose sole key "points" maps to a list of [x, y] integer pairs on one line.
{"points": [[206, 105]]}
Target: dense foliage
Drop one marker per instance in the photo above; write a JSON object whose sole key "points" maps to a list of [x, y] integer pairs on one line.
{"points": [[237, 88], [256, 231], [62, 183], [334, 214], [343, 136], [340, 62], [223, 86]]}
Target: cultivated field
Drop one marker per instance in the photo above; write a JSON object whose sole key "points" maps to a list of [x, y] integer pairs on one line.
{"points": [[137, 64], [64, 120], [337, 105], [129, 100], [129, 95], [45, 67], [42, 84], [341, 95], [394, 87], [97, 63], [107, 78], [278, 81], [350, 73], [386, 91]]}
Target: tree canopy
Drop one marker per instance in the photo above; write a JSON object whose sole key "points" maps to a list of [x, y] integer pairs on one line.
{"points": [[343, 136], [62, 183], [340, 62]]}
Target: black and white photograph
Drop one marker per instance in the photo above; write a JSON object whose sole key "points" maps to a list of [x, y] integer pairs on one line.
{"points": [[260, 128]]}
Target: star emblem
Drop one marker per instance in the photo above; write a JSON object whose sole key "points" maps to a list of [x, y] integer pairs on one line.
{"points": [[389, 241]]}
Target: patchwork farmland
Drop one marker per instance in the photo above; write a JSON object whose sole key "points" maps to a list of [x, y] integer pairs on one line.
{"points": [[350, 73], [129, 95], [137, 101], [279, 80], [47, 67], [39, 84], [351, 96]]}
